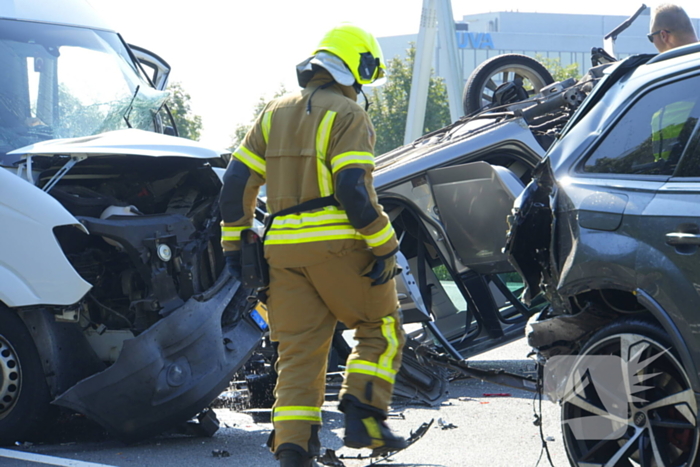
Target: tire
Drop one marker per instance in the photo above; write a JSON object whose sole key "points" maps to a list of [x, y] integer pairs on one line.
{"points": [[24, 394], [650, 429], [478, 92]]}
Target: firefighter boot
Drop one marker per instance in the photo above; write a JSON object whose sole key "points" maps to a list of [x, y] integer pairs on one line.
{"points": [[365, 428]]}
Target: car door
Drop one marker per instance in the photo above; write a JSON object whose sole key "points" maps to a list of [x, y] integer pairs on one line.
{"points": [[155, 67], [669, 267]]}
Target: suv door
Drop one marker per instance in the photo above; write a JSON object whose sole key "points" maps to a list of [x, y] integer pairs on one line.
{"points": [[669, 267]]}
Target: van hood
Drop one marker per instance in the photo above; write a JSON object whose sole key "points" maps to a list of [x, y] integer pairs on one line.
{"points": [[130, 142]]}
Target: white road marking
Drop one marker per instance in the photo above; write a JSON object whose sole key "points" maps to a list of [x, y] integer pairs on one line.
{"points": [[50, 460]]}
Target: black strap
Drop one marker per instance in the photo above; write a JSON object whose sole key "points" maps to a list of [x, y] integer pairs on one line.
{"points": [[309, 205]]}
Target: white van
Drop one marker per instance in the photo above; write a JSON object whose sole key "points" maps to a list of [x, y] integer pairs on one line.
{"points": [[114, 299]]}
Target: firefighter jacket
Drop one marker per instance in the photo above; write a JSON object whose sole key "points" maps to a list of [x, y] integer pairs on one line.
{"points": [[314, 143]]}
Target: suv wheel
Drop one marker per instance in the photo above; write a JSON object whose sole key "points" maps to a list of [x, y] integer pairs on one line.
{"points": [[483, 82], [24, 394], [629, 401]]}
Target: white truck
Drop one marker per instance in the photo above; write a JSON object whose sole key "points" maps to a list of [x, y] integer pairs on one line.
{"points": [[114, 299]]}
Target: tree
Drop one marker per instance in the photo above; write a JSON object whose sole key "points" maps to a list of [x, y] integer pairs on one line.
{"points": [[188, 124], [389, 104], [559, 72], [242, 129]]}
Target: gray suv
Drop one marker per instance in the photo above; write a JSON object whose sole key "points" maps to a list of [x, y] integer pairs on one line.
{"points": [[607, 231]]}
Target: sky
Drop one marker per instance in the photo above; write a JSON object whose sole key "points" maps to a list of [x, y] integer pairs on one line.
{"points": [[227, 54]]}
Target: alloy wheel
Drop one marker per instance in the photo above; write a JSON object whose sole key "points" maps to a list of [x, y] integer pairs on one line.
{"points": [[629, 402]]}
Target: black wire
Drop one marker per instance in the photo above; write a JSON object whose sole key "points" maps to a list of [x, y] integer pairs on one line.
{"points": [[114, 312], [538, 418]]}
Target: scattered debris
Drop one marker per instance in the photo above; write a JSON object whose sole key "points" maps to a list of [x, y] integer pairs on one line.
{"points": [[484, 402], [550, 439], [377, 456], [330, 459], [466, 399], [497, 394], [220, 453], [445, 425]]}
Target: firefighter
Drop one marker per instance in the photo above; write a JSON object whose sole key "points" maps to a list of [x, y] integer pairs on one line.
{"points": [[329, 264]]}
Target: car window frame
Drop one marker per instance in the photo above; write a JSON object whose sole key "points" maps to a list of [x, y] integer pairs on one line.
{"points": [[577, 169]]}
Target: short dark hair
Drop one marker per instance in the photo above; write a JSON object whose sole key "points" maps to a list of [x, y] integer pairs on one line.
{"points": [[672, 18]]}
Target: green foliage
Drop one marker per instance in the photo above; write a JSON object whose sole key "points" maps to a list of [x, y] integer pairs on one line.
{"points": [[188, 124], [241, 130], [559, 72], [389, 104]]}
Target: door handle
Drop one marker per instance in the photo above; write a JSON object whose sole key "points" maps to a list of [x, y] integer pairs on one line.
{"points": [[681, 238]]}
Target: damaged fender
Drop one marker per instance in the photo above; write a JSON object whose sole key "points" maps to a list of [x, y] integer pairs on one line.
{"points": [[173, 370]]}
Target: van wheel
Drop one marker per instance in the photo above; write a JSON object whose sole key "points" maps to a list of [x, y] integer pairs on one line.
{"points": [[482, 84], [24, 394], [628, 401]]}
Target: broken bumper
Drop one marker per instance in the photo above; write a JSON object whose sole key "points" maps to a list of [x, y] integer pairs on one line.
{"points": [[174, 369]]}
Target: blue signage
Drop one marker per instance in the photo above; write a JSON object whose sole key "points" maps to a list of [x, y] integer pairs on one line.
{"points": [[474, 40]]}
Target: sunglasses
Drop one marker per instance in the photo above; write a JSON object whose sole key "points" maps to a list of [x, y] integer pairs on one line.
{"points": [[651, 35]]}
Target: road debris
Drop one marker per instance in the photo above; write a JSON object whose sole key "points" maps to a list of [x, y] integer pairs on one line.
{"points": [[220, 453], [445, 425], [330, 459]]}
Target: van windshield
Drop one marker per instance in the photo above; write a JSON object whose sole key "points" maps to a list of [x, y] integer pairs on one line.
{"points": [[66, 82]]}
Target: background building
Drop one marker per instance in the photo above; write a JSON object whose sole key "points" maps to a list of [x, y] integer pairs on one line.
{"points": [[566, 37]]}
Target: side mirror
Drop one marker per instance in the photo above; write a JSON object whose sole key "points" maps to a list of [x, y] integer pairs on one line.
{"points": [[168, 130]]}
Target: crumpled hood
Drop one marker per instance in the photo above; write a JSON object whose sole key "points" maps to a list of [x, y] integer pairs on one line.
{"points": [[122, 142]]}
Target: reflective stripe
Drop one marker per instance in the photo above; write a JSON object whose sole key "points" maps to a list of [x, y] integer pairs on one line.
{"points": [[381, 237], [325, 179], [385, 368], [386, 360], [347, 158], [232, 233], [666, 125], [249, 158], [266, 121], [299, 221], [313, 234], [294, 412], [372, 369]]}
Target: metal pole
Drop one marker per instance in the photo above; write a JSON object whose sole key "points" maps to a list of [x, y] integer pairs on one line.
{"points": [[453, 65], [425, 47]]}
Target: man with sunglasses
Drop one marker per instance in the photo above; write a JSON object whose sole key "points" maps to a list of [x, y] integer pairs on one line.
{"points": [[671, 28]]}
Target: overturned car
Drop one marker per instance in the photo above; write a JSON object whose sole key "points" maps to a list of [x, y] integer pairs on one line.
{"points": [[114, 299]]}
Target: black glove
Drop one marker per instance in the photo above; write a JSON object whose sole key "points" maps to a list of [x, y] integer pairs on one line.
{"points": [[233, 264], [383, 270]]}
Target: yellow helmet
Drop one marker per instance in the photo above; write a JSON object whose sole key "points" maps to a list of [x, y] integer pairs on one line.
{"points": [[358, 49]]}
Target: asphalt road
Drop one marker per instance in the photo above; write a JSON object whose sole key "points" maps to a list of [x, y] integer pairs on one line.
{"points": [[483, 431]]}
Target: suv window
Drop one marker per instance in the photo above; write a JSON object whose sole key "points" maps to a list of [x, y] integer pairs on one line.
{"points": [[651, 135]]}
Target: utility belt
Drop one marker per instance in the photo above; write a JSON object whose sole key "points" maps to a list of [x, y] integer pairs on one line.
{"points": [[255, 272]]}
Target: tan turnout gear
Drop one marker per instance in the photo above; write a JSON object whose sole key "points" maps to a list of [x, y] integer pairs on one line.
{"points": [[305, 146]]}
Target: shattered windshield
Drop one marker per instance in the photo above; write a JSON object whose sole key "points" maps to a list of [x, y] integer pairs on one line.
{"points": [[66, 82]]}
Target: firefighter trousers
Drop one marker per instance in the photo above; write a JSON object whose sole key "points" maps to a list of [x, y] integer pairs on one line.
{"points": [[304, 307]]}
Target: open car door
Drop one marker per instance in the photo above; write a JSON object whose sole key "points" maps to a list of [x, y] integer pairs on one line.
{"points": [[155, 67]]}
